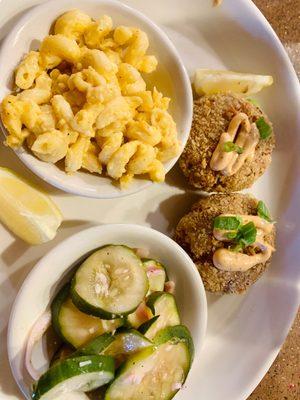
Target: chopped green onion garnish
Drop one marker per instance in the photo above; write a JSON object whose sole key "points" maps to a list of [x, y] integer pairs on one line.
{"points": [[230, 146], [231, 235], [263, 212], [264, 128], [241, 235], [246, 234], [228, 223], [238, 247]]}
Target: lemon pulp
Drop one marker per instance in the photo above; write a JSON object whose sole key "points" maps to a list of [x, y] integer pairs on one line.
{"points": [[208, 82], [26, 211]]}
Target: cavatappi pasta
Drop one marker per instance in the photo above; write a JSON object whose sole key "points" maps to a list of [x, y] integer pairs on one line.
{"points": [[82, 98]]}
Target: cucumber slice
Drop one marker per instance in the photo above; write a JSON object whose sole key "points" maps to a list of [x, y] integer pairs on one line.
{"points": [[111, 283], [97, 345], [147, 325], [81, 374], [174, 334], [156, 275], [164, 306], [157, 372], [118, 346], [75, 327], [73, 396], [139, 316], [125, 344]]}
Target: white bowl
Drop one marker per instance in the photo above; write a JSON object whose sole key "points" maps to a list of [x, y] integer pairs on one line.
{"points": [[44, 280], [170, 77]]}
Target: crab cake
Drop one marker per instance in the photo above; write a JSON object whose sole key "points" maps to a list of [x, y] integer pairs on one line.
{"points": [[230, 238], [230, 144]]}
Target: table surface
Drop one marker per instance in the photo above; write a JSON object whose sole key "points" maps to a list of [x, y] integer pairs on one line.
{"points": [[282, 382]]}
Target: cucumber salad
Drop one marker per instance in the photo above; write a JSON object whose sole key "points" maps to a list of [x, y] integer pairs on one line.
{"points": [[119, 334]]}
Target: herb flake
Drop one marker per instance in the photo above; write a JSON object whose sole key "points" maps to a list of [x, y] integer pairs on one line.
{"points": [[228, 223], [231, 235], [231, 146], [264, 128], [263, 211], [246, 235]]}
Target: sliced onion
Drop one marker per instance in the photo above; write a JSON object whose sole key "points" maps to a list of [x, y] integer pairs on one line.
{"points": [[143, 312], [153, 270], [170, 287], [36, 333], [142, 253]]}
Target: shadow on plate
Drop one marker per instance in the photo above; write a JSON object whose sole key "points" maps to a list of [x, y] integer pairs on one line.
{"points": [[7, 383], [175, 178], [18, 247], [172, 209], [10, 160], [9, 288]]}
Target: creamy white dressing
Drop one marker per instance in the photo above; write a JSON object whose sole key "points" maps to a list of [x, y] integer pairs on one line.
{"points": [[243, 134], [227, 260]]}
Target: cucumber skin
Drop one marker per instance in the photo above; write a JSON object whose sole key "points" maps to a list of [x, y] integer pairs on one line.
{"points": [[130, 325], [68, 369], [178, 333], [89, 309], [151, 300], [136, 333], [131, 331], [56, 304], [102, 342], [144, 260], [102, 345], [144, 353], [160, 267], [124, 329], [127, 343], [146, 325], [135, 358], [95, 346]]}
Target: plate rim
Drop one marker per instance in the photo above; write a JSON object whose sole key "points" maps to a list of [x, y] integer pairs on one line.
{"points": [[294, 81], [280, 50]]}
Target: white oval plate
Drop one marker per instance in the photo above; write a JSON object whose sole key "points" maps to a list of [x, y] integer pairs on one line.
{"points": [[244, 332]]}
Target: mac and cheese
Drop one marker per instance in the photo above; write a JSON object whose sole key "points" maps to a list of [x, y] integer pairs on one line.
{"points": [[83, 98]]}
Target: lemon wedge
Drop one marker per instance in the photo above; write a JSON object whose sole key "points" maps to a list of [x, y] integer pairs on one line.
{"points": [[207, 81], [26, 211]]}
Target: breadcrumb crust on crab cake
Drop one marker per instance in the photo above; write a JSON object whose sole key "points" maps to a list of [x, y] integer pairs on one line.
{"points": [[212, 115], [194, 233]]}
